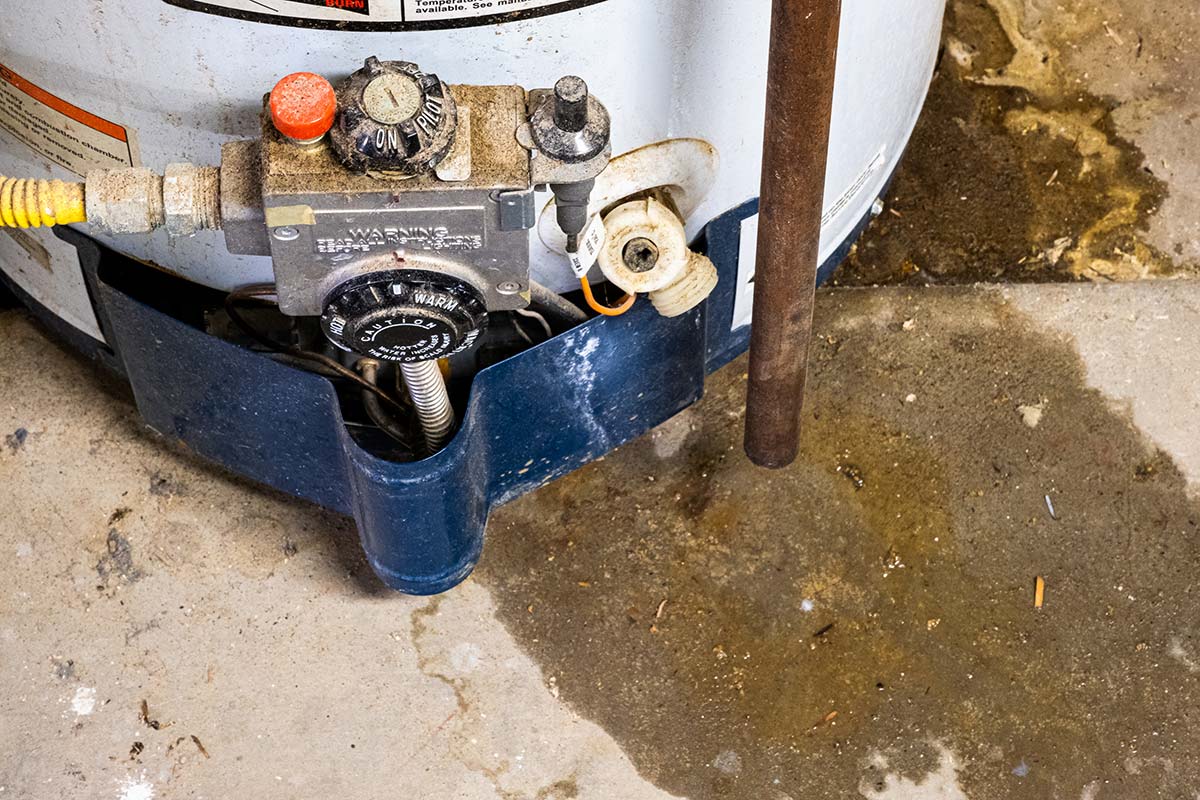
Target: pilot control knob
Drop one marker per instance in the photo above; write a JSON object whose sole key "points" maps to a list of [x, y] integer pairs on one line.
{"points": [[405, 316], [393, 118]]}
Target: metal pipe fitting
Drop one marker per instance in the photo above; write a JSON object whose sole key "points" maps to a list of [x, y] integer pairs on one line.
{"points": [[184, 200], [191, 199], [572, 201], [122, 201]]}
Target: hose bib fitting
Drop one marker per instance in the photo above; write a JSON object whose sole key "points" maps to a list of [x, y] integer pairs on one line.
{"points": [[29, 203]]}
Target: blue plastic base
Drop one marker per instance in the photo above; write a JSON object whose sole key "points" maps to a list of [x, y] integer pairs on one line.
{"points": [[530, 419]]}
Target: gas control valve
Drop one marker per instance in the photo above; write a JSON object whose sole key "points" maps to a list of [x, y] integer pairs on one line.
{"points": [[393, 118], [394, 170]]}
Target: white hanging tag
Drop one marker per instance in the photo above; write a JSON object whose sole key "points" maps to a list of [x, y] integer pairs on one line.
{"points": [[589, 247]]}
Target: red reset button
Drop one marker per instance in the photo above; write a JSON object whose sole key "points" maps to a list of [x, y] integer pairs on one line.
{"points": [[303, 106]]}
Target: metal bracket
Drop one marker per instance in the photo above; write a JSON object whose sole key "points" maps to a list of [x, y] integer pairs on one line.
{"points": [[518, 211]]}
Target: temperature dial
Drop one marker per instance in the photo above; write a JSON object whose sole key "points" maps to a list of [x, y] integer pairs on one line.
{"points": [[405, 316], [393, 118]]}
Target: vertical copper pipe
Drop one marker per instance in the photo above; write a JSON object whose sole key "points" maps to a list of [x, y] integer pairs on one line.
{"points": [[804, 39]]}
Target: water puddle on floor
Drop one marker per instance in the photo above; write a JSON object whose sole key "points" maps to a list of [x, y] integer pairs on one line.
{"points": [[753, 634]]}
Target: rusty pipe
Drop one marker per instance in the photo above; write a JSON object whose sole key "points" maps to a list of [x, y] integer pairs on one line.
{"points": [[803, 59]]}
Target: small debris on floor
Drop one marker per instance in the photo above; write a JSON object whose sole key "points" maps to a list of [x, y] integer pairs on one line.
{"points": [[64, 669], [1146, 471], [84, 701], [16, 439], [117, 561], [1039, 592], [1031, 415], [825, 720], [164, 485], [892, 561], [1050, 508], [201, 748], [148, 721], [854, 474]]}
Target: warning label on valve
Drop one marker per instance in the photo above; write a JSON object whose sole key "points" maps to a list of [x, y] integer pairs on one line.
{"points": [[59, 131], [382, 14]]}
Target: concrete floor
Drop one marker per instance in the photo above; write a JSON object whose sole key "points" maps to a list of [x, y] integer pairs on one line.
{"points": [[669, 621]]}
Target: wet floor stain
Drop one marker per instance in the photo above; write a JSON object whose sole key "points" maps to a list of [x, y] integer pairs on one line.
{"points": [[753, 634], [1015, 172]]}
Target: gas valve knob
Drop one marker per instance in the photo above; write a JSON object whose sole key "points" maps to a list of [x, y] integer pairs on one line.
{"points": [[569, 124], [393, 117], [405, 316]]}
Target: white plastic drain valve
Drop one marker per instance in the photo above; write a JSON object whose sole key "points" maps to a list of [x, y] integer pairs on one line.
{"points": [[646, 252]]}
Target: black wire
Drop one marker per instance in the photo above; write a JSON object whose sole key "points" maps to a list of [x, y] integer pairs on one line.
{"points": [[556, 306], [261, 291], [392, 427]]}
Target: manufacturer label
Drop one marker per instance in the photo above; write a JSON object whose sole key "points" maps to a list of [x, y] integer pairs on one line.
{"points": [[59, 131], [589, 248], [389, 14], [743, 303]]}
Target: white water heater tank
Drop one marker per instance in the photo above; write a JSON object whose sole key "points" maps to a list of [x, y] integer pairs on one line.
{"points": [[87, 84]]}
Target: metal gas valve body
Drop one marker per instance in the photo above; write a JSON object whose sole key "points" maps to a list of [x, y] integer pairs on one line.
{"points": [[395, 173]]}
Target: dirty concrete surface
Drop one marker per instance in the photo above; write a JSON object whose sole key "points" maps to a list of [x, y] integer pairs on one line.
{"points": [[669, 622], [1059, 143], [666, 622]]}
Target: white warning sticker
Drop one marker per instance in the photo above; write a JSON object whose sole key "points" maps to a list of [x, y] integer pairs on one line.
{"points": [[391, 14], [59, 131]]}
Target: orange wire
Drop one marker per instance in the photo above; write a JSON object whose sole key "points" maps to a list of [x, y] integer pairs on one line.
{"points": [[607, 311]]}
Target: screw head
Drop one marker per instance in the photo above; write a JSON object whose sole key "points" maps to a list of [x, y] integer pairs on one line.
{"points": [[640, 255], [286, 234], [508, 287]]}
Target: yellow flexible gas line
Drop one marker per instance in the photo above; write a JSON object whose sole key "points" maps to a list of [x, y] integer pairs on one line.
{"points": [[30, 203]]}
